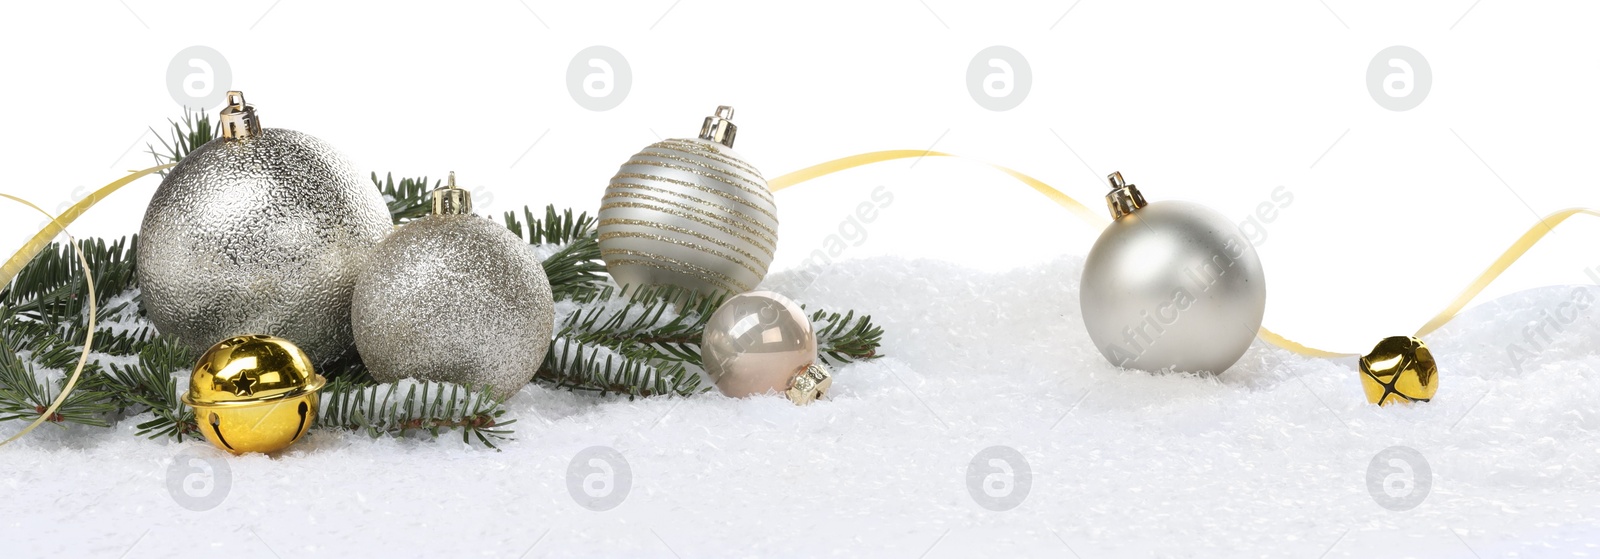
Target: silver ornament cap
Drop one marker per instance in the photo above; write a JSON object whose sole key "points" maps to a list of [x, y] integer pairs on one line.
{"points": [[761, 342], [1170, 285], [259, 231], [691, 213], [454, 297]]}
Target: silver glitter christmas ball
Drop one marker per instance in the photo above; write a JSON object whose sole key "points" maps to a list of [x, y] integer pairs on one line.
{"points": [[691, 213], [454, 297], [260, 231], [760, 342], [1171, 286]]}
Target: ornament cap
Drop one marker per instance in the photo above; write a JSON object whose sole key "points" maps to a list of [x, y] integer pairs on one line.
{"points": [[449, 200], [810, 385], [1124, 198], [719, 127], [238, 119]]}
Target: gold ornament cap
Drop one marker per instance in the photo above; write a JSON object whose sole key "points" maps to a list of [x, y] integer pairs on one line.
{"points": [[238, 119], [810, 385], [1124, 198], [254, 393], [449, 200], [719, 127], [1399, 369]]}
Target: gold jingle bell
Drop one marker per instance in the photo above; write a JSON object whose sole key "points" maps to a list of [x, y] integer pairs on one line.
{"points": [[254, 394], [1399, 369]]}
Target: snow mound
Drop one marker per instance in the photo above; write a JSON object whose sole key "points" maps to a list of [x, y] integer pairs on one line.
{"points": [[1272, 458]]}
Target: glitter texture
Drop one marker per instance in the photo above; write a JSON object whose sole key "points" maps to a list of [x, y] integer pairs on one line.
{"points": [[455, 298], [682, 196], [259, 236]]}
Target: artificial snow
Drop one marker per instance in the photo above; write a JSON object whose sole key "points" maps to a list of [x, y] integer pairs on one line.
{"points": [[1269, 459]]}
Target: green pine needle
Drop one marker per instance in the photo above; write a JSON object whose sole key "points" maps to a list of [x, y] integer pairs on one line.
{"points": [[185, 136], [413, 407], [408, 199]]}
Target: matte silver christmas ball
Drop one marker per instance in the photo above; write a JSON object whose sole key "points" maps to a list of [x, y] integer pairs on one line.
{"points": [[760, 342], [691, 213], [1171, 286], [454, 297], [260, 231]]}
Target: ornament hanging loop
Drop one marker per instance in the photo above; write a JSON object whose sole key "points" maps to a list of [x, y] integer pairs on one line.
{"points": [[449, 200], [719, 127], [238, 120], [1124, 198]]}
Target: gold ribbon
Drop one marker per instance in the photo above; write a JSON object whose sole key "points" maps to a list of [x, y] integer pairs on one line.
{"points": [[1098, 221], [13, 266]]}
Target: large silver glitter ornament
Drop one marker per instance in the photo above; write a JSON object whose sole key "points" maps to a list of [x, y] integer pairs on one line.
{"points": [[260, 231], [1171, 286], [454, 297], [760, 342], [691, 213]]}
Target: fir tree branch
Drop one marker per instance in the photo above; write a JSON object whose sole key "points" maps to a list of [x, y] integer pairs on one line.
{"points": [[152, 386], [578, 366], [413, 407], [847, 338], [646, 341], [408, 199], [24, 396], [575, 268], [668, 323], [553, 229], [661, 322], [186, 135]]}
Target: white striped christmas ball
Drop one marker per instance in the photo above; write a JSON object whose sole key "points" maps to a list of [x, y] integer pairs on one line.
{"points": [[690, 213]]}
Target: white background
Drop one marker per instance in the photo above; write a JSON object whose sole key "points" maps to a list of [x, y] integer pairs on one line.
{"points": [[1393, 212]]}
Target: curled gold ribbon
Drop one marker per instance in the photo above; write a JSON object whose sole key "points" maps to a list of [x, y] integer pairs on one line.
{"points": [[58, 225], [88, 337], [1093, 219]]}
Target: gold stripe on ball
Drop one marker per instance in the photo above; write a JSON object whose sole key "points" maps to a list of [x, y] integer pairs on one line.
{"points": [[724, 179], [687, 184], [686, 157], [686, 244], [657, 261], [655, 225], [767, 249], [687, 231], [745, 224], [747, 184], [696, 148]]}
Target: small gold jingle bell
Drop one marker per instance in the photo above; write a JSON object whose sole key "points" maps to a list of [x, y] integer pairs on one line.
{"points": [[254, 394], [1399, 369]]}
